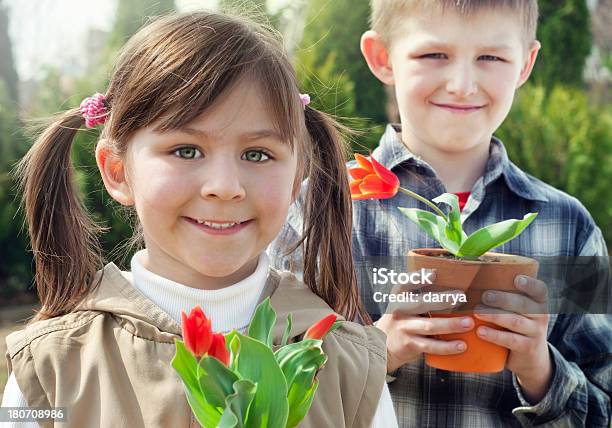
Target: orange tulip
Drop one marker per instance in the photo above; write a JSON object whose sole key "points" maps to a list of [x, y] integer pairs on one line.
{"points": [[372, 180], [321, 327], [218, 349], [197, 331]]}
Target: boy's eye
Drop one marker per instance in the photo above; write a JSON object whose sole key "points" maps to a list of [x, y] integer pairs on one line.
{"points": [[437, 55], [255, 156], [187, 153], [490, 58]]}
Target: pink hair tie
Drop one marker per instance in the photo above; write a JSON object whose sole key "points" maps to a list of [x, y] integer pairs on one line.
{"points": [[305, 98], [94, 110]]}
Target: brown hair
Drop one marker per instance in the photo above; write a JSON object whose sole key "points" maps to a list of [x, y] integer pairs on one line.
{"points": [[170, 72], [386, 16]]}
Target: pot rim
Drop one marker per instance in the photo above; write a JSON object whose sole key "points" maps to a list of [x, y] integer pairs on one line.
{"points": [[510, 259]]}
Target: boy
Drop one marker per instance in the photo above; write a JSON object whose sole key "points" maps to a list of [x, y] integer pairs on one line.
{"points": [[455, 67]]}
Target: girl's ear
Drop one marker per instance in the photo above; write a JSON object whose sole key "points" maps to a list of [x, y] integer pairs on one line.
{"points": [[529, 63], [112, 169], [377, 56]]}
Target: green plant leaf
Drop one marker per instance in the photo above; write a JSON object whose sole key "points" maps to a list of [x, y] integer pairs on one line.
{"points": [[300, 400], [454, 230], [426, 220], [287, 331], [434, 225], [186, 365], [237, 405], [300, 363], [262, 323], [255, 361], [493, 236], [216, 381]]}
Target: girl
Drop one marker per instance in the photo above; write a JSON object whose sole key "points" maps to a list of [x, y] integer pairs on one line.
{"points": [[206, 136]]}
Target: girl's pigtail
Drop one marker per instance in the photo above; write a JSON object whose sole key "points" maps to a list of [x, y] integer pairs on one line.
{"points": [[328, 221], [64, 240]]}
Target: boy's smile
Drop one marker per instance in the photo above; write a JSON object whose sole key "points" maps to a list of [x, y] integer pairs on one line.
{"points": [[455, 76]]}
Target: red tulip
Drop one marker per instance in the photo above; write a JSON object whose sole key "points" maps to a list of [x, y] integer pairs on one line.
{"points": [[218, 349], [372, 180], [321, 327], [197, 331]]}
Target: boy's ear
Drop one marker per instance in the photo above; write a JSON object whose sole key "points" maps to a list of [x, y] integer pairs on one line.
{"points": [[112, 169], [529, 63], [377, 56]]}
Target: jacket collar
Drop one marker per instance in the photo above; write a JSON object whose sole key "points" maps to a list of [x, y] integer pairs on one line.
{"points": [[115, 294]]}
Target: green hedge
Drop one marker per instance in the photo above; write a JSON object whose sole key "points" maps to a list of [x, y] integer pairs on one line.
{"points": [[565, 141]]}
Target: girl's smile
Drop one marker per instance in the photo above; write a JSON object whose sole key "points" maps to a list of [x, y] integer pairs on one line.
{"points": [[219, 227]]}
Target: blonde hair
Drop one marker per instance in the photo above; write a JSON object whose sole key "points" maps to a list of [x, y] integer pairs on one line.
{"points": [[386, 16], [168, 73]]}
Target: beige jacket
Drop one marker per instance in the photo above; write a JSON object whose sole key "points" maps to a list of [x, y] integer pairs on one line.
{"points": [[108, 362]]}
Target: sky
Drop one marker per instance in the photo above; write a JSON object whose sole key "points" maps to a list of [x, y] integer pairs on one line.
{"points": [[52, 32]]}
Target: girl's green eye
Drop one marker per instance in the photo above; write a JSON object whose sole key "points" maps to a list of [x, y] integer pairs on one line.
{"points": [[187, 152], [255, 156]]}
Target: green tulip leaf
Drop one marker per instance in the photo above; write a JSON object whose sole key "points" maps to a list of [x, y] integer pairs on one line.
{"points": [[186, 366], [262, 323], [287, 331], [453, 230], [300, 363], [300, 399], [426, 220], [216, 381], [493, 236], [255, 361], [237, 405]]}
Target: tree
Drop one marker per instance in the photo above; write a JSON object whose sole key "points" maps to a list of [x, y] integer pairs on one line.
{"points": [[7, 66], [565, 34], [334, 28]]}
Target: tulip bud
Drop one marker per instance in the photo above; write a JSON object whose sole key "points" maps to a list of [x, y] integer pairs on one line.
{"points": [[197, 331], [321, 327], [218, 349]]}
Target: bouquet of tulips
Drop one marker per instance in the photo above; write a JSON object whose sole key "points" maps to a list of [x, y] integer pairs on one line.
{"points": [[238, 380]]}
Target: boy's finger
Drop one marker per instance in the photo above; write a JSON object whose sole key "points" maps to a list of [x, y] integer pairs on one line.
{"points": [[433, 326], [533, 287], [513, 322], [438, 347], [512, 302], [507, 339]]}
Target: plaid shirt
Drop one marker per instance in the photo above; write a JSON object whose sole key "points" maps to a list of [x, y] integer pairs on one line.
{"points": [[580, 345]]}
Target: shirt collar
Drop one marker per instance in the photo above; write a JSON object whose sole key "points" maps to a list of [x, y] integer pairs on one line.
{"points": [[392, 153]]}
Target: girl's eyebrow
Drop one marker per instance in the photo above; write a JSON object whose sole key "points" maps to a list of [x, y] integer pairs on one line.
{"points": [[245, 136]]}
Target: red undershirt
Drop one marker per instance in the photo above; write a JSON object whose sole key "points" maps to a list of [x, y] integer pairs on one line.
{"points": [[463, 197]]}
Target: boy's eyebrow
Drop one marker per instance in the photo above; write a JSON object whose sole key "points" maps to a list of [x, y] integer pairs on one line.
{"points": [[446, 46]]}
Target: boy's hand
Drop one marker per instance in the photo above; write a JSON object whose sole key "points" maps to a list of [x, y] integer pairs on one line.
{"points": [[409, 333], [526, 318]]}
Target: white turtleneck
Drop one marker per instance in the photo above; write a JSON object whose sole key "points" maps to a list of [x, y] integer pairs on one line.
{"points": [[228, 308]]}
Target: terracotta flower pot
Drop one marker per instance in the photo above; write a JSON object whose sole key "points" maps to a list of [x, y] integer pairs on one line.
{"points": [[495, 271]]}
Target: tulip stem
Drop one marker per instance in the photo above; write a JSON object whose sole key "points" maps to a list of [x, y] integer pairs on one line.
{"points": [[422, 199]]}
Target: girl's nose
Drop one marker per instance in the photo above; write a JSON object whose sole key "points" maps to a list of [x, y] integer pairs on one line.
{"points": [[462, 81], [222, 181]]}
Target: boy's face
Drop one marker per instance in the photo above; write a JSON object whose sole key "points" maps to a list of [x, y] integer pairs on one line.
{"points": [[455, 76]]}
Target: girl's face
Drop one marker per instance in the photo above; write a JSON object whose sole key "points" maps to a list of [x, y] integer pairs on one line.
{"points": [[212, 196]]}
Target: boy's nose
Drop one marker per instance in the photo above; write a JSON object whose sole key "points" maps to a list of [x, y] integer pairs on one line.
{"points": [[222, 181], [461, 81]]}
